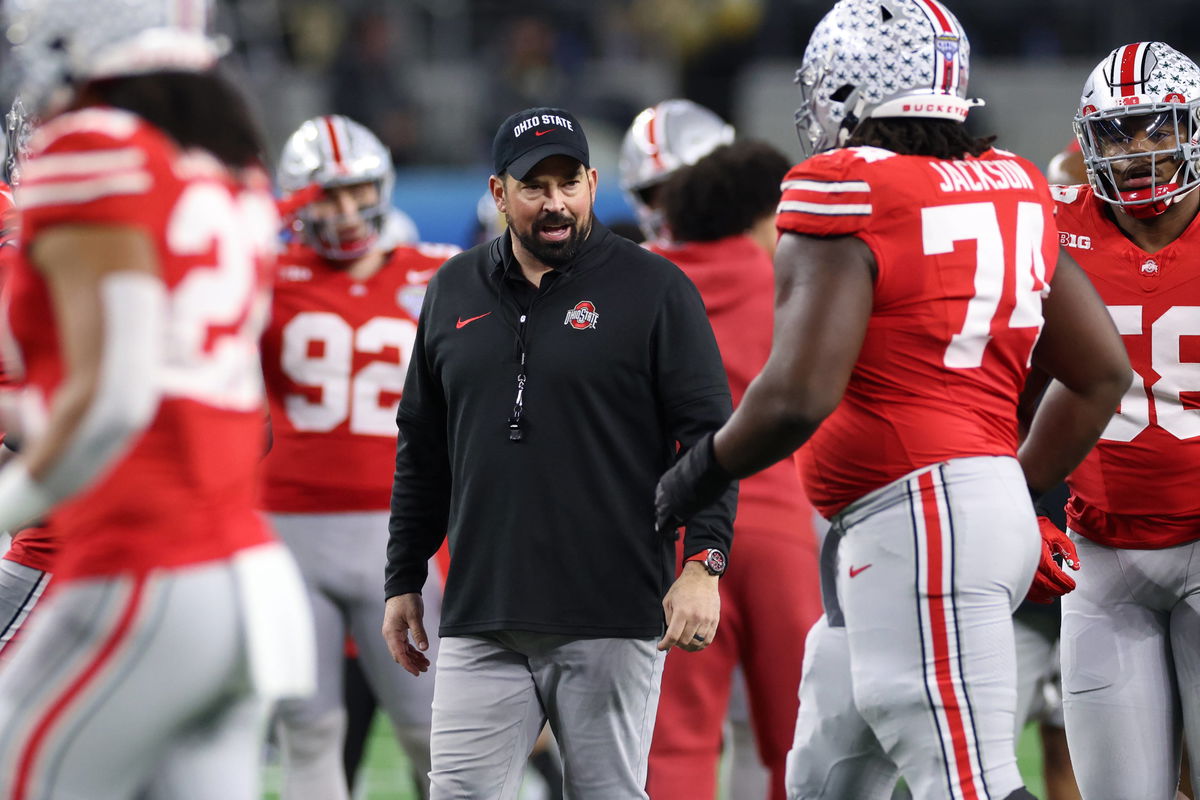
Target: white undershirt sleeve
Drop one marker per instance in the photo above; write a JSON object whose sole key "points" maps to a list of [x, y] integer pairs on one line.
{"points": [[126, 397]]}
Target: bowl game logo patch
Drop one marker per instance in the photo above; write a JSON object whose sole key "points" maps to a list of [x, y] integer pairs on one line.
{"points": [[410, 299]]}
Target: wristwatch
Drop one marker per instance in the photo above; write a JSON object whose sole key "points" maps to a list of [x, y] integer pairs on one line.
{"points": [[713, 560]]}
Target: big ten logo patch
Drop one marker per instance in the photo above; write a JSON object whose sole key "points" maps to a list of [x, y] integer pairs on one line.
{"points": [[582, 316], [1076, 240]]}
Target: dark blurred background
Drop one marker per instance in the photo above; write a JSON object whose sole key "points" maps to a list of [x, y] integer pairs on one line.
{"points": [[434, 77]]}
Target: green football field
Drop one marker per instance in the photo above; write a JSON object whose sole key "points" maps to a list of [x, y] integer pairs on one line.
{"points": [[385, 771]]}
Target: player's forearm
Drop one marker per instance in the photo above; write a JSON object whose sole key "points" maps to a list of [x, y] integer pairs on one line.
{"points": [[1065, 427], [102, 404], [769, 425]]}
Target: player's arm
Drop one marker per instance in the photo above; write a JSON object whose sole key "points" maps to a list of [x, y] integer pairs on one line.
{"points": [[109, 304], [1081, 350], [824, 289]]}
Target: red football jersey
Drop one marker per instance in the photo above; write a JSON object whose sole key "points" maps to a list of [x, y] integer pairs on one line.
{"points": [[186, 491], [965, 251], [33, 547], [737, 283], [334, 357], [1137, 487]]}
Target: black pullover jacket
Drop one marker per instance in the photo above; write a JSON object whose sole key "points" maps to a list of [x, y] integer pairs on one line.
{"points": [[553, 533]]}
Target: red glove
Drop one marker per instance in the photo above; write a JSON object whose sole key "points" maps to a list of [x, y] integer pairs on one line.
{"points": [[289, 205], [1050, 581]]}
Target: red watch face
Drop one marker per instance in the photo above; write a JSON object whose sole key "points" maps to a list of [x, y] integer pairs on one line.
{"points": [[715, 562]]}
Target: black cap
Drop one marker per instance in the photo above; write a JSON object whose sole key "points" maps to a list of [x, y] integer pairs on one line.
{"points": [[528, 136]]}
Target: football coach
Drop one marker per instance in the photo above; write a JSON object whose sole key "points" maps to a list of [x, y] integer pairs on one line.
{"points": [[555, 373]]}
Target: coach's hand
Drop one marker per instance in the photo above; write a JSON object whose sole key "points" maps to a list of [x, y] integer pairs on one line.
{"points": [[695, 482], [693, 609], [404, 613], [1050, 581]]}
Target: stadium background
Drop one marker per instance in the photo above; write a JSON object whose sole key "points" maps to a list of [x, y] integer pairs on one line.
{"points": [[434, 77]]}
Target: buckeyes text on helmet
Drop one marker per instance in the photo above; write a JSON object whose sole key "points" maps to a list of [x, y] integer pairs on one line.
{"points": [[1137, 127], [60, 45], [881, 58], [662, 139], [334, 151]]}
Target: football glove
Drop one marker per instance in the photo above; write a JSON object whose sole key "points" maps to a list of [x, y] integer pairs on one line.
{"points": [[289, 205], [1051, 581], [696, 481]]}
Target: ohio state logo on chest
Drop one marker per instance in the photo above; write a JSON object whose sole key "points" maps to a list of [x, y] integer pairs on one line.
{"points": [[582, 316]]}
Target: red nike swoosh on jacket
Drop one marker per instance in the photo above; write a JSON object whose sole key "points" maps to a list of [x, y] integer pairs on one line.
{"points": [[854, 572], [464, 322]]}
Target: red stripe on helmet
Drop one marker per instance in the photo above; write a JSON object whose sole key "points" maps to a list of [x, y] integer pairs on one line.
{"points": [[652, 139], [334, 145], [942, 22], [942, 19], [1128, 65]]}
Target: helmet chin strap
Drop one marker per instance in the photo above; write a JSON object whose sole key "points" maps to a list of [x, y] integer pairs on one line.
{"points": [[1148, 210]]}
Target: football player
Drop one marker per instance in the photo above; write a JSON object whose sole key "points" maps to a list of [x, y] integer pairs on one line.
{"points": [[148, 231], [25, 565], [1130, 659], [915, 270], [334, 357], [721, 215]]}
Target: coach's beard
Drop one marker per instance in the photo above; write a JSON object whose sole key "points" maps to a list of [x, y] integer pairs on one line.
{"points": [[552, 254]]}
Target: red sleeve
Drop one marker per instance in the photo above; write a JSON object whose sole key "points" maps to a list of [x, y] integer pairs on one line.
{"points": [[827, 195], [98, 165]]}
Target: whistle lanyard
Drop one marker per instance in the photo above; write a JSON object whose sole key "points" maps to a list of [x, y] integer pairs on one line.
{"points": [[549, 281], [514, 421], [515, 434]]}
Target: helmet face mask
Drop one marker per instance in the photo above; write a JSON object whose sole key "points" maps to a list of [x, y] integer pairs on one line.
{"points": [[339, 155], [18, 129], [662, 139], [341, 236], [1137, 128], [881, 58]]}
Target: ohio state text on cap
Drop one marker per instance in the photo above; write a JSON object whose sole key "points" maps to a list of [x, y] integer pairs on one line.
{"points": [[528, 136]]}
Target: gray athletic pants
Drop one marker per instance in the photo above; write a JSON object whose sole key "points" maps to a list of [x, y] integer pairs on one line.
{"points": [[495, 691], [155, 687], [20, 589], [1131, 669], [341, 557]]}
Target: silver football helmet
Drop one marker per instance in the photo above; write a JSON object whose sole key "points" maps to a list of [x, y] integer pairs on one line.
{"points": [[59, 45], [1137, 127], [331, 151], [881, 58], [663, 138]]}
